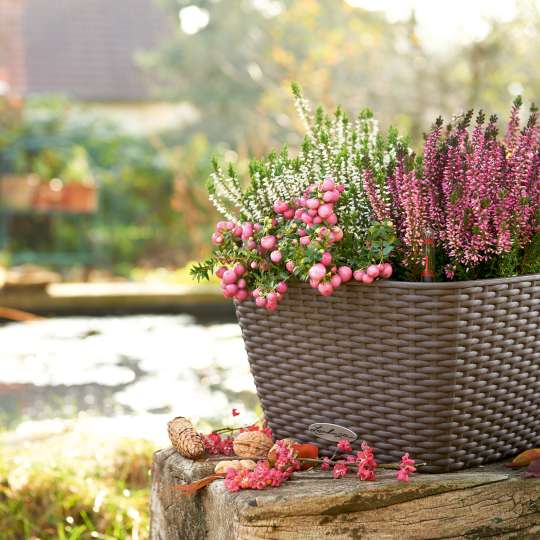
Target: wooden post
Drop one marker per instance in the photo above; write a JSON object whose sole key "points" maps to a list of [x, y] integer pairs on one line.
{"points": [[485, 502]]}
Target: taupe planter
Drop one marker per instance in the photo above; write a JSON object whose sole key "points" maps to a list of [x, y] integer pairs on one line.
{"points": [[449, 372]]}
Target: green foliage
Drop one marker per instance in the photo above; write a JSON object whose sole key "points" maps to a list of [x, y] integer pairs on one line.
{"points": [[153, 206], [92, 494]]}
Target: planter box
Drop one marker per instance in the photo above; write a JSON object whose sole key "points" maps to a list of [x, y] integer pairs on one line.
{"points": [[80, 198], [49, 196], [18, 192], [447, 371]]}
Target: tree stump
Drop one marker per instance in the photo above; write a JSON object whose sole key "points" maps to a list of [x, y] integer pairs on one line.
{"points": [[487, 502]]}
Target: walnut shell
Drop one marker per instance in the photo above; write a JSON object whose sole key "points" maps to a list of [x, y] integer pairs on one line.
{"points": [[248, 464], [252, 444], [224, 466], [185, 438]]}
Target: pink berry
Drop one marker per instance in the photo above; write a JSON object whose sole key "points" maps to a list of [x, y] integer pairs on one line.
{"points": [[367, 279], [331, 196], [325, 210], [280, 207], [314, 283], [254, 265], [328, 184], [345, 273], [271, 306], [289, 265], [268, 242], [306, 218], [326, 258], [317, 271], [338, 233], [239, 269], [242, 283], [221, 271], [387, 270], [229, 276], [313, 203], [359, 275], [217, 239], [326, 288], [298, 213], [260, 301], [305, 240], [242, 295], [231, 290], [312, 212], [340, 188], [288, 214], [256, 293], [276, 256], [332, 219], [317, 220], [282, 287], [271, 298], [372, 271], [257, 226], [237, 231], [302, 232], [335, 280], [247, 230]]}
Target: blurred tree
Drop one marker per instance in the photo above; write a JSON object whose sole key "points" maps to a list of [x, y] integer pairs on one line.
{"points": [[236, 66]]}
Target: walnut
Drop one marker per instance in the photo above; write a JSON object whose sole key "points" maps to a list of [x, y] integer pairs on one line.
{"points": [[239, 464], [252, 444], [185, 438]]}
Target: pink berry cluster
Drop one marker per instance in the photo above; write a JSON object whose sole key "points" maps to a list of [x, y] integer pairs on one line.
{"points": [[365, 464], [215, 444], [406, 467], [327, 281], [363, 461], [264, 475], [297, 239]]}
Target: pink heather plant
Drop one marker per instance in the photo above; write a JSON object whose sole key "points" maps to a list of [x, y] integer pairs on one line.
{"points": [[480, 195]]}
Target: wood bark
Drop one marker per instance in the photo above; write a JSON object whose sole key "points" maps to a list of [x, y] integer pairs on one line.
{"points": [[487, 502]]}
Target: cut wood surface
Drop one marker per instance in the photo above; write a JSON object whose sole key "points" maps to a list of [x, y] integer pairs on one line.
{"points": [[486, 502]]}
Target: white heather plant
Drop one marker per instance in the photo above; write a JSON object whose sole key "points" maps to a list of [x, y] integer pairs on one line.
{"points": [[334, 146], [307, 216]]}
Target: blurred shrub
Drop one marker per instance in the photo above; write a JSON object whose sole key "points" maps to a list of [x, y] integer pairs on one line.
{"points": [[99, 494], [153, 207]]}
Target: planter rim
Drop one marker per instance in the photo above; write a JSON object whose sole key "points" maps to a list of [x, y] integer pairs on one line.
{"points": [[453, 284]]}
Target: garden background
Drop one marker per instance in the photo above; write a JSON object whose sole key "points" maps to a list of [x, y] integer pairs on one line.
{"points": [[139, 96]]}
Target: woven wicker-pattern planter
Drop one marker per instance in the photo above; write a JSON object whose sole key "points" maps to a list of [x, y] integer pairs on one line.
{"points": [[447, 371]]}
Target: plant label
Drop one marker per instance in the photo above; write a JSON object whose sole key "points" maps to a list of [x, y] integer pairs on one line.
{"points": [[332, 432]]}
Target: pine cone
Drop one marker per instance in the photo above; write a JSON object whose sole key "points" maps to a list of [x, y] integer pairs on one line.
{"points": [[185, 438], [252, 444]]}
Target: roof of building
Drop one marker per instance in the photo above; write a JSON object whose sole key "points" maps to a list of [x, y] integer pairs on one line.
{"points": [[85, 48]]}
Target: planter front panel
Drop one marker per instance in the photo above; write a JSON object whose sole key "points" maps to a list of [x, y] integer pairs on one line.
{"points": [[449, 372]]}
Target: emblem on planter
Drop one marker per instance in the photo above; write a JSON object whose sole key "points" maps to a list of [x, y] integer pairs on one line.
{"points": [[332, 432]]}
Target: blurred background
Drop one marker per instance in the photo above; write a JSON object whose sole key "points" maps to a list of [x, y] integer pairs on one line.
{"points": [[110, 113]]}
